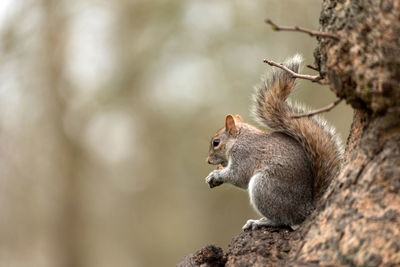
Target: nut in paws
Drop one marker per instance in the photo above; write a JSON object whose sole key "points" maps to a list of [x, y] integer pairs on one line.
{"points": [[213, 179]]}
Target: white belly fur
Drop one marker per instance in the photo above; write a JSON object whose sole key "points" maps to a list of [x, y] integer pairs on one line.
{"points": [[251, 187]]}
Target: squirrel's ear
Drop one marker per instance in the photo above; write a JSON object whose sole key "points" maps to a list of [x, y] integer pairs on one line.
{"points": [[238, 118], [230, 125]]}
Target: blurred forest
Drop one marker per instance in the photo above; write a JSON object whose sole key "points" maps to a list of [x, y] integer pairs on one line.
{"points": [[106, 112]]}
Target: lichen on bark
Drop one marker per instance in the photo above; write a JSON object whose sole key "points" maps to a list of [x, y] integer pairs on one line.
{"points": [[363, 66]]}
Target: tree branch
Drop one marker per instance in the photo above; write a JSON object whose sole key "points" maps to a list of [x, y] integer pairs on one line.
{"points": [[312, 67], [313, 78], [318, 111], [300, 29]]}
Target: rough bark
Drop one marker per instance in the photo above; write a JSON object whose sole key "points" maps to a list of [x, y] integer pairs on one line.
{"points": [[358, 220]]}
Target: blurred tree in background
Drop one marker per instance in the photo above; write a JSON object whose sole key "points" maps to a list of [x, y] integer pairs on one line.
{"points": [[106, 110]]}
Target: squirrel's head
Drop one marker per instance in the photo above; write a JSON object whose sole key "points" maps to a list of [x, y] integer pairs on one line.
{"points": [[222, 142]]}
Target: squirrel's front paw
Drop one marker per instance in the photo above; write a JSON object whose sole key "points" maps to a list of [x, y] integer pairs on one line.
{"points": [[214, 179]]}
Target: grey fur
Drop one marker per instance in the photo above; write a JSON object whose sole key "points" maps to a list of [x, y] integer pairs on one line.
{"points": [[285, 170], [273, 110], [280, 169]]}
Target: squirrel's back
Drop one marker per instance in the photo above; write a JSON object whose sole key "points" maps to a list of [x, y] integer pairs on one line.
{"points": [[318, 140]]}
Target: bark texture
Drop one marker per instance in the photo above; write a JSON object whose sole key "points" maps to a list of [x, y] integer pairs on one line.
{"points": [[358, 220]]}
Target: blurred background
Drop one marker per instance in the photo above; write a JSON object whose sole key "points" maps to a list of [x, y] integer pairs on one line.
{"points": [[106, 112]]}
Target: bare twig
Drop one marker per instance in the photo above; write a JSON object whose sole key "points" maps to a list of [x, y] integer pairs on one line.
{"points": [[318, 111], [300, 29], [312, 67], [314, 78]]}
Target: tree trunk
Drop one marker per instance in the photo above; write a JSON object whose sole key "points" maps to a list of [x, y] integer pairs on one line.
{"points": [[358, 220]]}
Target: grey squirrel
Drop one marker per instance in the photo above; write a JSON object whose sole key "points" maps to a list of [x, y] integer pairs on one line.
{"points": [[286, 169]]}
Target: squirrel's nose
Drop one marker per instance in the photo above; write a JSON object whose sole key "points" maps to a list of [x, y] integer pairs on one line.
{"points": [[208, 160]]}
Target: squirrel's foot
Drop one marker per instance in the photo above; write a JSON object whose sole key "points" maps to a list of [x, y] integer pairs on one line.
{"points": [[214, 179], [256, 224]]}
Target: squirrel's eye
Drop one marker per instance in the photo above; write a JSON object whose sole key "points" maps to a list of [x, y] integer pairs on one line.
{"points": [[216, 142]]}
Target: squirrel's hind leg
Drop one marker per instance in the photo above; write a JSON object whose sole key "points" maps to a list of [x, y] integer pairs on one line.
{"points": [[255, 224]]}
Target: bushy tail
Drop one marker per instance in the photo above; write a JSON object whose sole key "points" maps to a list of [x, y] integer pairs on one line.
{"points": [[320, 142]]}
